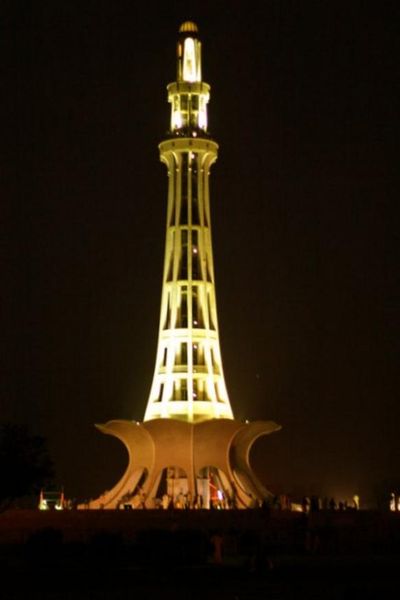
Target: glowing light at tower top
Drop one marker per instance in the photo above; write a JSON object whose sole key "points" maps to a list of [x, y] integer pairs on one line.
{"points": [[189, 53], [188, 95]]}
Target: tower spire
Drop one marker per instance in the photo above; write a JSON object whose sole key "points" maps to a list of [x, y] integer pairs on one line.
{"points": [[188, 381]]}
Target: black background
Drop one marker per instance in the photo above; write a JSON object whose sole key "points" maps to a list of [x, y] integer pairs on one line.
{"points": [[304, 104]]}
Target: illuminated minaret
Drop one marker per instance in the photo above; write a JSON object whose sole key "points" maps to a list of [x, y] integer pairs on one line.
{"points": [[188, 381], [188, 444]]}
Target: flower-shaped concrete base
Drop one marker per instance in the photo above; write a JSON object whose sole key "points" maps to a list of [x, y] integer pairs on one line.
{"points": [[156, 445]]}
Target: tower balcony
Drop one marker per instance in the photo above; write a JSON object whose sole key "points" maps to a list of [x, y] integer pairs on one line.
{"points": [[178, 409]]}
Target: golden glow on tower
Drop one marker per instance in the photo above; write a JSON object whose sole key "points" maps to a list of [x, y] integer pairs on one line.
{"points": [[189, 443], [188, 382], [191, 61]]}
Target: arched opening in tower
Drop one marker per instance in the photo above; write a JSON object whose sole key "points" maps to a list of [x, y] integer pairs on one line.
{"points": [[171, 489], [214, 488]]}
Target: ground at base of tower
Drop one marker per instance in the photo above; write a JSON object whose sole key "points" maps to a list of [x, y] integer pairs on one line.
{"points": [[280, 578], [184, 555]]}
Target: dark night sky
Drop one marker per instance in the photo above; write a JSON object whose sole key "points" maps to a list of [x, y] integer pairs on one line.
{"points": [[304, 104]]}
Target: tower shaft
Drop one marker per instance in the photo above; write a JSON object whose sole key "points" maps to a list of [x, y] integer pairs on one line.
{"points": [[188, 382]]}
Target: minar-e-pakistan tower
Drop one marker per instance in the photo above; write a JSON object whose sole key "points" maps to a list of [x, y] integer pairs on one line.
{"points": [[189, 444]]}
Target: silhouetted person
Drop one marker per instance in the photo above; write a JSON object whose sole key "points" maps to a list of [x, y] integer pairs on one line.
{"points": [[306, 504], [217, 542], [314, 504], [332, 504]]}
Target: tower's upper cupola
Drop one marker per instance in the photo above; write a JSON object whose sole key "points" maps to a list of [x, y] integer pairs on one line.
{"points": [[189, 53], [188, 95]]}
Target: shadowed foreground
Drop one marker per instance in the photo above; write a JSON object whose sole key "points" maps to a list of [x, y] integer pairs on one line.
{"points": [[190, 555]]}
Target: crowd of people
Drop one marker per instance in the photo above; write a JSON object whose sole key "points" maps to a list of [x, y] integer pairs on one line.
{"points": [[315, 503], [177, 501], [221, 501]]}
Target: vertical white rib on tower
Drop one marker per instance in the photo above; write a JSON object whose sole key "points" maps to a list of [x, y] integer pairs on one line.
{"points": [[188, 381]]}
